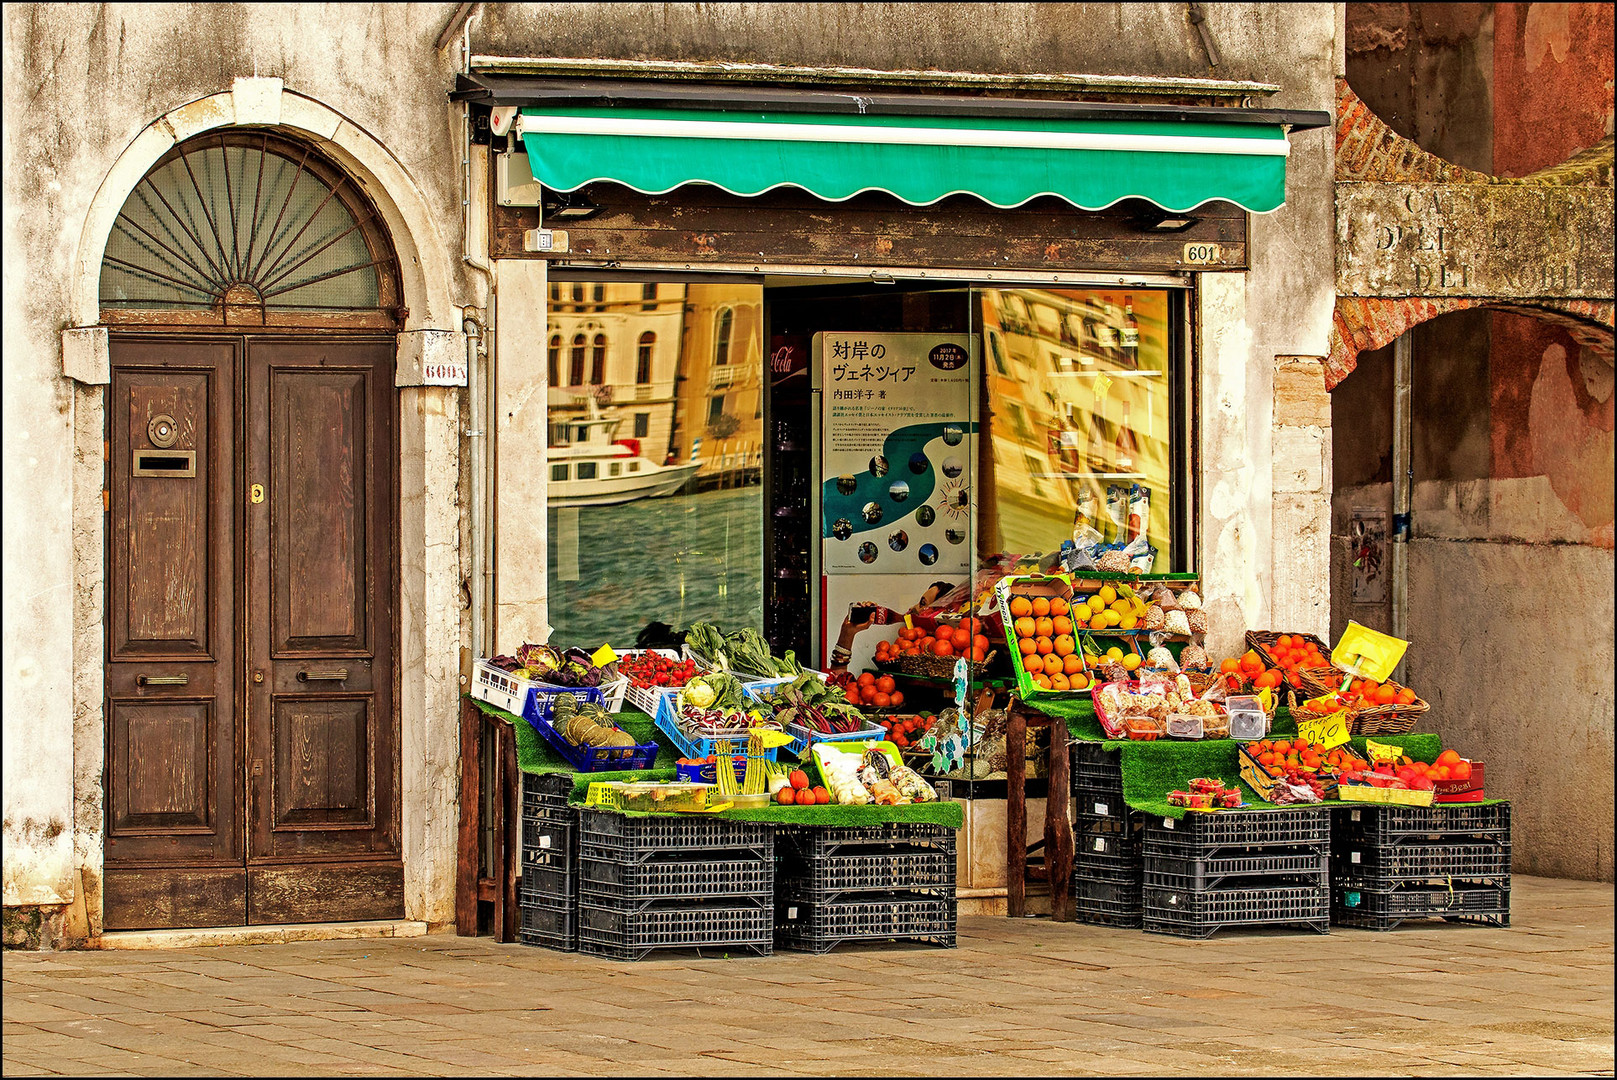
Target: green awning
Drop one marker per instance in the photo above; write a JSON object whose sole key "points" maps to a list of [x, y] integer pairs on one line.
{"points": [[919, 159]]}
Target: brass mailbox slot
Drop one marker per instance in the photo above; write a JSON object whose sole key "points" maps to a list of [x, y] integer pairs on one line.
{"points": [[165, 463]]}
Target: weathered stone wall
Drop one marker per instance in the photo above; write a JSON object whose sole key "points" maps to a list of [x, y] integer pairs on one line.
{"points": [[82, 85], [1510, 561]]}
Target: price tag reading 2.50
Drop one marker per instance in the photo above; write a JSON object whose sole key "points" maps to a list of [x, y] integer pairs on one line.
{"points": [[1327, 731]]}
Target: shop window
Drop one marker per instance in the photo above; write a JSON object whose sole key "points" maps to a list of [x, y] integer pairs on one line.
{"points": [[575, 373], [555, 292], [997, 352], [642, 360], [598, 361], [558, 473], [1097, 458], [553, 359], [721, 338], [687, 544]]}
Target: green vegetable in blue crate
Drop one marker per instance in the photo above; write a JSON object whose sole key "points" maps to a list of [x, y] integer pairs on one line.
{"points": [[584, 723], [716, 690]]}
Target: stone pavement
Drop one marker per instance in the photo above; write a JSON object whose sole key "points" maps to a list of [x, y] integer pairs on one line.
{"points": [[1015, 998]]}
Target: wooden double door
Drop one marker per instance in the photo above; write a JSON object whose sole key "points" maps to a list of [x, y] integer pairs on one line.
{"points": [[252, 742]]}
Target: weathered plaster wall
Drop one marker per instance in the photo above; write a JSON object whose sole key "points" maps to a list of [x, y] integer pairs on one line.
{"points": [[376, 67], [521, 433]]}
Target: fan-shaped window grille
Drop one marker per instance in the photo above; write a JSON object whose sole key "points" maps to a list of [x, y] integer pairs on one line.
{"points": [[247, 227]]}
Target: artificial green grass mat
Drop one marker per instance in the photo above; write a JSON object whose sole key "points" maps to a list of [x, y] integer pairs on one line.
{"points": [[1152, 769], [535, 755]]}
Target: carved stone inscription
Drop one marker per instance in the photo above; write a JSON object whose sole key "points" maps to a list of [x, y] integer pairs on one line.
{"points": [[1497, 241]]}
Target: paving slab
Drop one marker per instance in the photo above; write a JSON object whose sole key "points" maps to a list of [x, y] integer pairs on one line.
{"points": [[1016, 997]]}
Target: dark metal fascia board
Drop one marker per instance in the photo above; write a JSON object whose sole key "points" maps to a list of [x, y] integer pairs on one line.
{"points": [[599, 93]]}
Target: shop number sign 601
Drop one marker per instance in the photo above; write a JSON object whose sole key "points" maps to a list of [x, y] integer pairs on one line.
{"points": [[1203, 254]]}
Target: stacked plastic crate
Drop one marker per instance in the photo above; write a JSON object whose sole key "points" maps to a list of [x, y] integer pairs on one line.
{"points": [[663, 882], [1237, 868], [1392, 863], [1107, 868], [880, 882], [549, 892]]}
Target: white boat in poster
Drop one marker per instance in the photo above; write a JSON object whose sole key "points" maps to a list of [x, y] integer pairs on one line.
{"points": [[591, 466]]}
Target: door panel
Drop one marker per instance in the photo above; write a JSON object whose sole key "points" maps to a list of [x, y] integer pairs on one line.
{"points": [[321, 732], [172, 767], [320, 449]]}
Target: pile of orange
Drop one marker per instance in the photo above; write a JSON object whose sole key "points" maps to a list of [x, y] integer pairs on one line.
{"points": [[1249, 671], [1293, 652], [1277, 755], [964, 638], [1367, 693], [1045, 645]]}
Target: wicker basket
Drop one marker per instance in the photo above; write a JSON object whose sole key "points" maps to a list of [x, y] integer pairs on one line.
{"points": [[1261, 641], [1372, 720], [942, 667]]}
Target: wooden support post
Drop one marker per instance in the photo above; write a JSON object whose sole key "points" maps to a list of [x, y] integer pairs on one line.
{"points": [[1058, 843], [1015, 811], [471, 802], [508, 862]]}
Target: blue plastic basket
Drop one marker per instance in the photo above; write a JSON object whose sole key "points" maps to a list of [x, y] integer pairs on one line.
{"points": [[803, 738], [542, 704], [696, 748]]}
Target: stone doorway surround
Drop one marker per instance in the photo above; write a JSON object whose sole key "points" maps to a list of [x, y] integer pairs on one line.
{"points": [[428, 447]]}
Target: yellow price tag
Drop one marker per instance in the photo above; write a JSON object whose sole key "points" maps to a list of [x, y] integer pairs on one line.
{"points": [[603, 656], [1266, 699], [1102, 384], [1327, 731], [1381, 751]]}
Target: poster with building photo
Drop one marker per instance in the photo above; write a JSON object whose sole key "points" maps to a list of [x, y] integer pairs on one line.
{"points": [[897, 452], [1368, 537]]}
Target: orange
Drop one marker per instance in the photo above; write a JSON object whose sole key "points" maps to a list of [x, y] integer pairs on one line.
{"points": [[1044, 626], [1448, 757], [1059, 681], [978, 641], [962, 639], [1053, 665], [1042, 680], [1026, 646], [1020, 606], [1386, 695], [1025, 627], [1406, 696], [1228, 666], [1041, 606], [1058, 606], [1078, 682], [1045, 645], [1064, 645], [1072, 664], [1061, 624], [941, 647], [1460, 770]]}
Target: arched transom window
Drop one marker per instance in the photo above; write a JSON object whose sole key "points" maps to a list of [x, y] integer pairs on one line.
{"points": [[247, 227]]}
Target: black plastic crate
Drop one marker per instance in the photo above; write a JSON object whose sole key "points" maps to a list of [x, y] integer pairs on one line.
{"points": [[1101, 902], [1199, 913], [613, 883], [1357, 904], [821, 927], [818, 841], [1101, 802], [1401, 824], [547, 838], [830, 876], [1094, 770], [555, 881], [1168, 868], [545, 922], [604, 834], [1195, 834], [1422, 861], [629, 934]]}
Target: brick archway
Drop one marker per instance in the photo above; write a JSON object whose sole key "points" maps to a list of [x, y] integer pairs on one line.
{"points": [[1368, 152]]}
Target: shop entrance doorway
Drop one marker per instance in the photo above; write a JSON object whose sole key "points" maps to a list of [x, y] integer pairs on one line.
{"points": [[251, 758]]}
